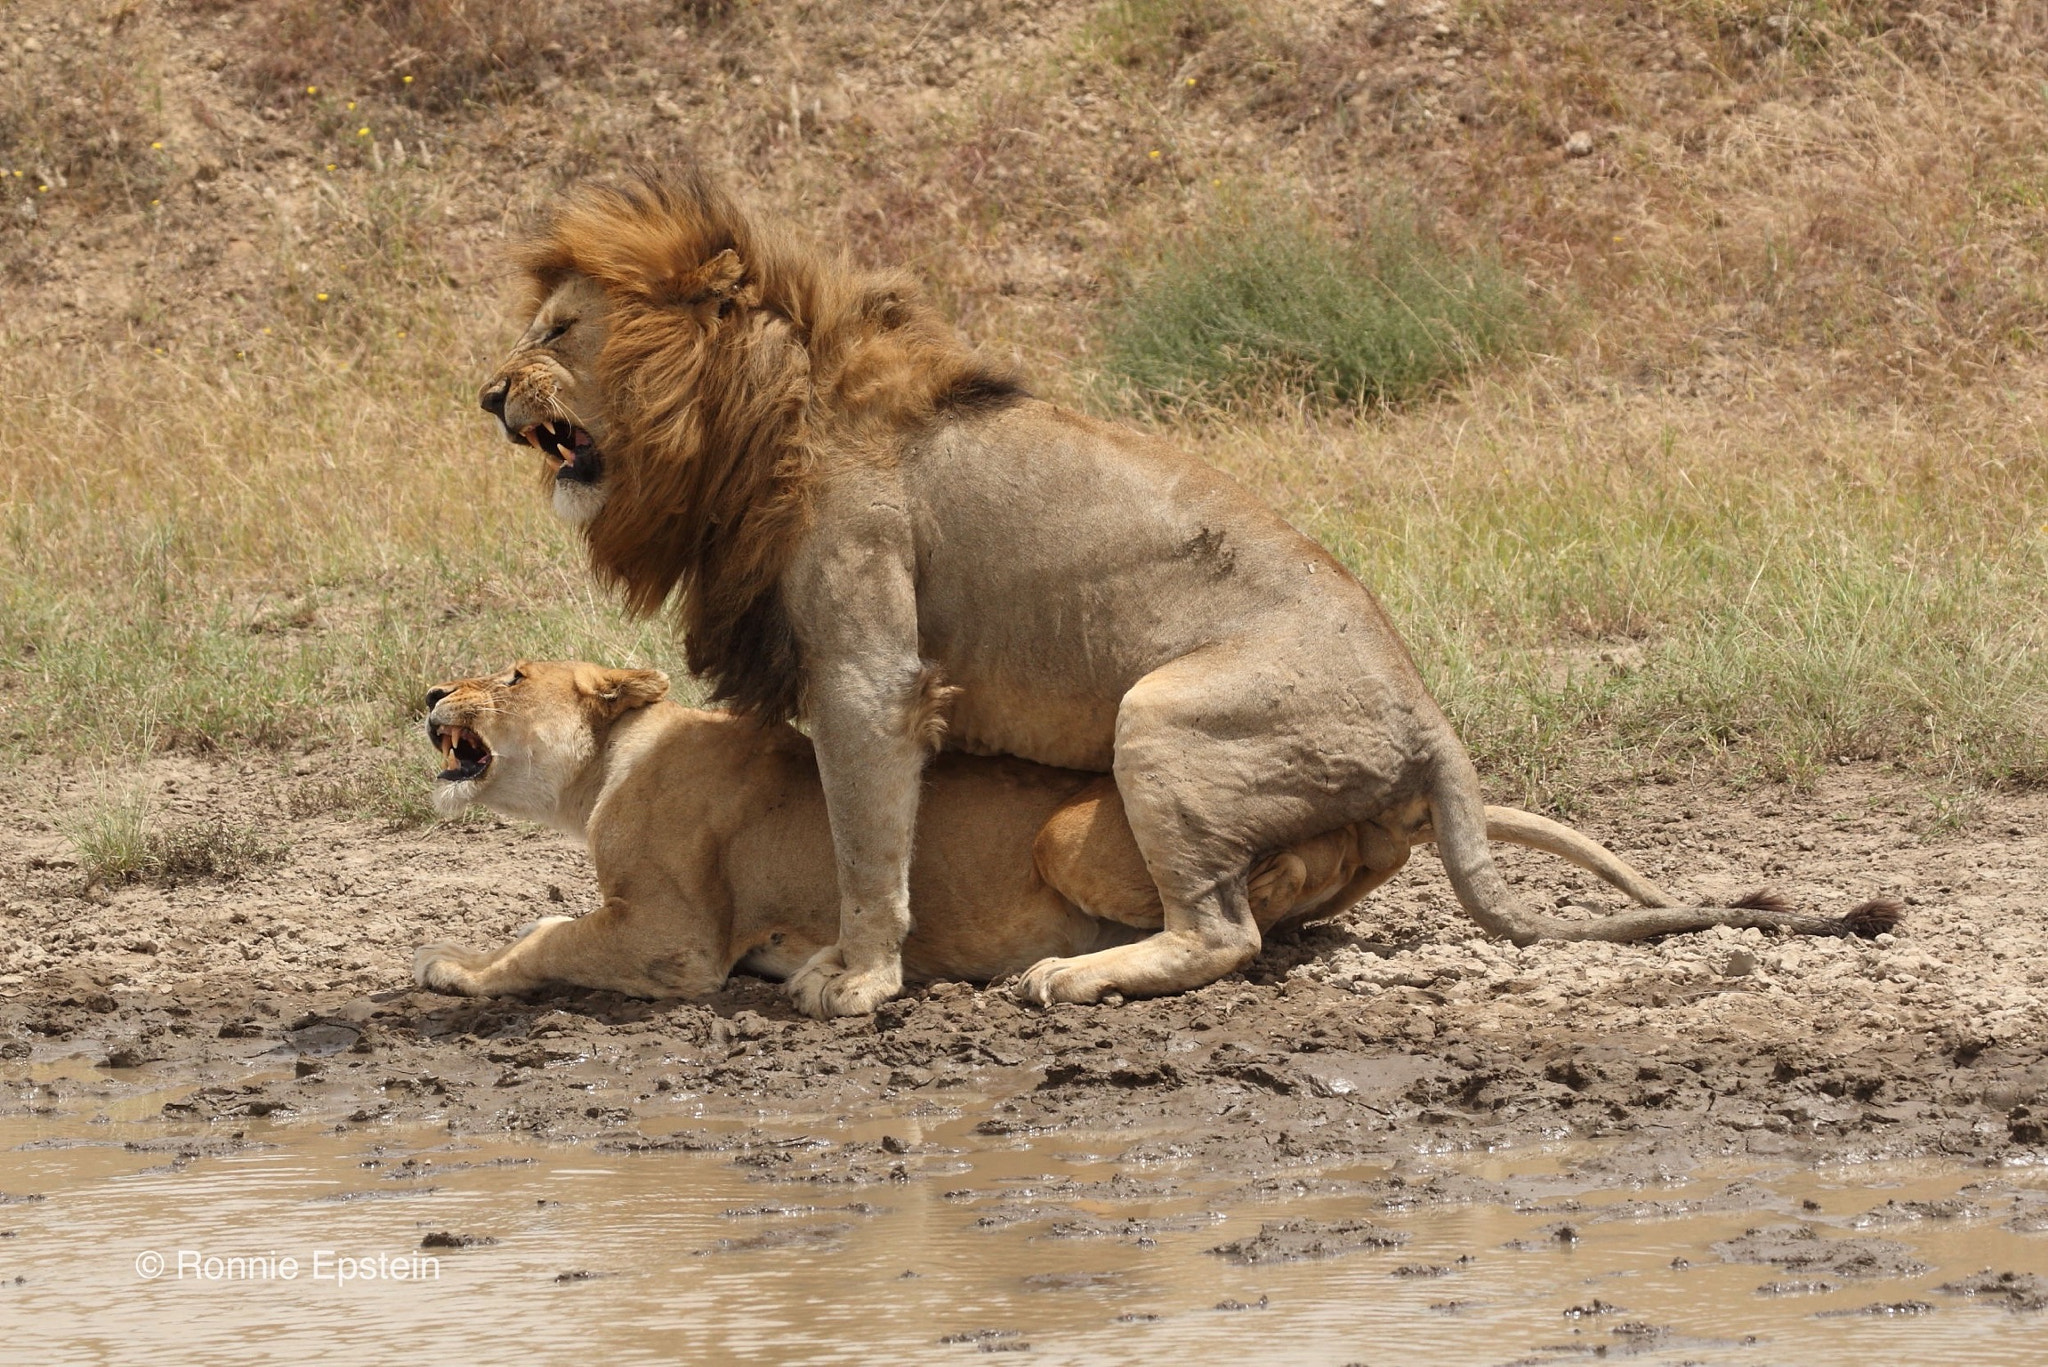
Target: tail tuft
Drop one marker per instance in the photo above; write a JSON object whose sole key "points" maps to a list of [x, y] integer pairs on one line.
{"points": [[1765, 900], [1873, 918]]}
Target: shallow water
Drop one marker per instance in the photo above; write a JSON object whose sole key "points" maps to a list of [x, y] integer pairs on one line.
{"points": [[985, 1246]]}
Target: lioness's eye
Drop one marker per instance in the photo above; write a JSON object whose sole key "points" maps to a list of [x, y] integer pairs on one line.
{"points": [[516, 677]]}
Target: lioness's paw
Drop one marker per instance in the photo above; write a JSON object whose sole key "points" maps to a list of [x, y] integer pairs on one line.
{"points": [[543, 923], [826, 987], [1051, 981], [443, 968]]}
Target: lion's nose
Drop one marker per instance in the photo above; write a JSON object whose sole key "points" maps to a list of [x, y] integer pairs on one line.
{"points": [[494, 398], [435, 695]]}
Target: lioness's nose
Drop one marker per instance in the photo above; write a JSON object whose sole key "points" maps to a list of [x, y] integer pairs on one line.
{"points": [[494, 398], [435, 695]]}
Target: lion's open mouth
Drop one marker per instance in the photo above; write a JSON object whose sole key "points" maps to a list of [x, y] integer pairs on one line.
{"points": [[569, 449], [465, 752]]}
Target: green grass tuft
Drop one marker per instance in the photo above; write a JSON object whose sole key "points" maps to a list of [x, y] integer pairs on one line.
{"points": [[1247, 311], [120, 840], [1143, 33]]}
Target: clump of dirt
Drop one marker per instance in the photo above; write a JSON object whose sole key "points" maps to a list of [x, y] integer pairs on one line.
{"points": [[1796, 1288], [1804, 1249], [1884, 1308], [1295, 1240], [2014, 1290]]}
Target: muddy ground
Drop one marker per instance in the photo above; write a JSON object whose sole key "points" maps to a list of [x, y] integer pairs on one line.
{"points": [[286, 993]]}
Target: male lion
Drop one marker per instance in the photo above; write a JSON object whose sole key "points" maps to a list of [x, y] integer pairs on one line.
{"points": [[712, 851], [868, 526]]}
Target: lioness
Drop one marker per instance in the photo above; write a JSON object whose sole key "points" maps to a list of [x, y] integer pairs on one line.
{"points": [[713, 851], [863, 523]]}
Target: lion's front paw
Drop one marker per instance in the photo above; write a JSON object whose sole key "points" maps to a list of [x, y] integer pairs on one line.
{"points": [[1052, 981], [826, 987], [444, 968]]}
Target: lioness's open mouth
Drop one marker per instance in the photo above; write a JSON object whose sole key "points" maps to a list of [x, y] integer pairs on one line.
{"points": [[570, 451], [467, 755]]}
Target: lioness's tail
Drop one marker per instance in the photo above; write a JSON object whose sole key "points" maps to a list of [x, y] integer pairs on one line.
{"points": [[1461, 824]]}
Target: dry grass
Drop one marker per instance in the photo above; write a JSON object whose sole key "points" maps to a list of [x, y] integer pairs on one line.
{"points": [[255, 552], [432, 54], [81, 115], [1617, 587]]}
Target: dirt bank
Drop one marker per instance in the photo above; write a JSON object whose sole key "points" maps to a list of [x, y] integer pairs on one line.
{"points": [[286, 993]]}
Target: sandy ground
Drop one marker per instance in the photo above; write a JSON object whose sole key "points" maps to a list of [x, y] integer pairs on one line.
{"points": [[287, 992]]}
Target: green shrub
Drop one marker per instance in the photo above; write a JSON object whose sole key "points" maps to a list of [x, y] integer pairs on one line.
{"points": [[1247, 311]]}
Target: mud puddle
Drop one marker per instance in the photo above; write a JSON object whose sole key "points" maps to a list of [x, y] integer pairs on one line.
{"points": [[923, 1238]]}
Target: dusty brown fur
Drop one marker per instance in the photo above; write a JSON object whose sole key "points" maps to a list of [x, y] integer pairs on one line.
{"points": [[738, 355]]}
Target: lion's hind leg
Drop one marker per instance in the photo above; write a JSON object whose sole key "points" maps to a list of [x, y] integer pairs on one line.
{"points": [[1086, 853]]}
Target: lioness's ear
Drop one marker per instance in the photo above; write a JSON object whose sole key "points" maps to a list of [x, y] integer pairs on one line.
{"points": [[723, 278], [621, 690]]}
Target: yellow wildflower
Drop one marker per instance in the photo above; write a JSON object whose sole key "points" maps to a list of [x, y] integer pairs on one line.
{"points": [[312, 90], [321, 297]]}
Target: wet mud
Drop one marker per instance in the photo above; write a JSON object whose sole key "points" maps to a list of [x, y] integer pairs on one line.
{"points": [[787, 1241], [286, 994]]}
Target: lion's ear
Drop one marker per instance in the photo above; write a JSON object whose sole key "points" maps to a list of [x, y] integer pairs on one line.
{"points": [[723, 277], [621, 690]]}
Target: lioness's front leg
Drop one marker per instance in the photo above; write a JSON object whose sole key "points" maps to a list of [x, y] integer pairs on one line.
{"points": [[612, 950], [874, 709]]}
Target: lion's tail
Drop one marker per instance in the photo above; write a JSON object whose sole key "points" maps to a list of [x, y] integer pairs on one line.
{"points": [[1462, 825]]}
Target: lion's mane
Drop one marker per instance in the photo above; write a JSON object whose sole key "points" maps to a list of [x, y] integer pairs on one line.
{"points": [[738, 360]]}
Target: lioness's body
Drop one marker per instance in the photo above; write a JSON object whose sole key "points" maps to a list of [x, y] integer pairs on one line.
{"points": [[712, 850], [713, 847], [863, 523]]}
